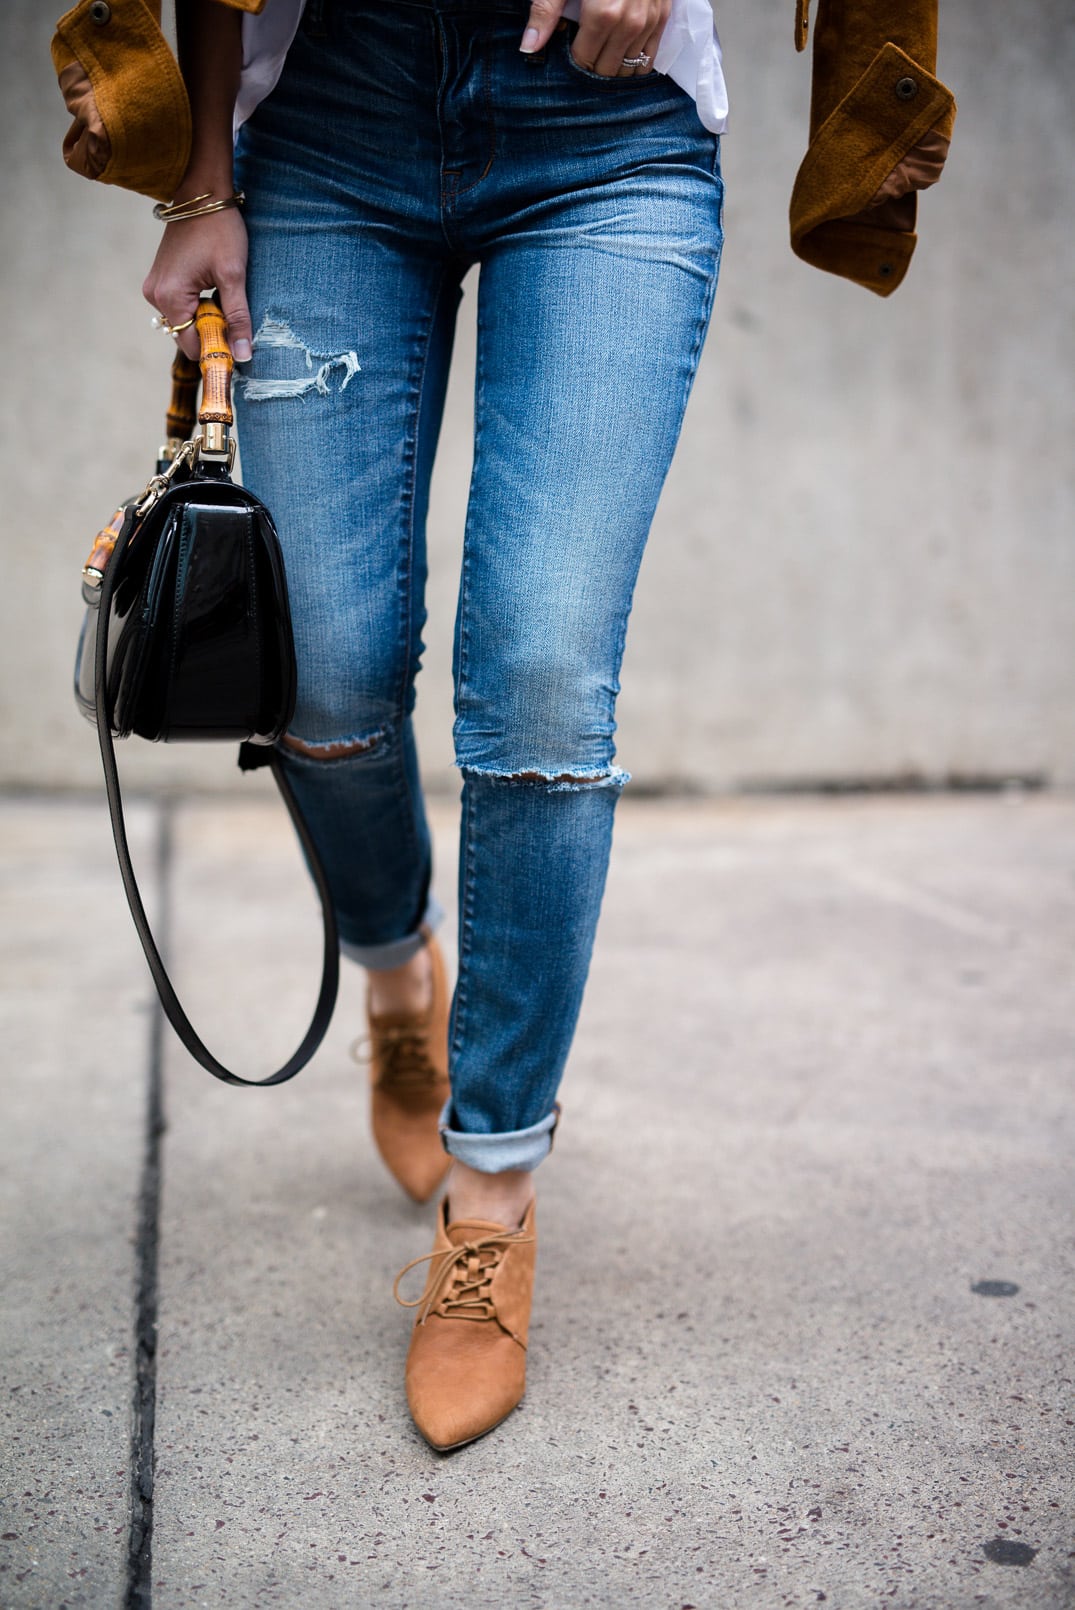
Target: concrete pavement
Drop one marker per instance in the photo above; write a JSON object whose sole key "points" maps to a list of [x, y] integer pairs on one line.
{"points": [[820, 1099]]}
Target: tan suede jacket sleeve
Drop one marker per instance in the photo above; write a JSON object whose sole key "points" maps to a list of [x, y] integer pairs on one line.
{"points": [[880, 125], [880, 122], [125, 93]]}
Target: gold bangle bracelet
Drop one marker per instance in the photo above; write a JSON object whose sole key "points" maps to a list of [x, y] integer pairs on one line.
{"points": [[174, 212]]}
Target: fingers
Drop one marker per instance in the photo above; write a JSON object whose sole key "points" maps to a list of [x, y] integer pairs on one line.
{"points": [[188, 341], [609, 31], [176, 309], [233, 305], [648, 48], [612, 30], [540, 25], [175, 305], [208, 254]]}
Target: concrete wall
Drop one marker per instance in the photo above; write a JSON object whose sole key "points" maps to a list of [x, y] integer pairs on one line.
{"points": [[864, 564]]}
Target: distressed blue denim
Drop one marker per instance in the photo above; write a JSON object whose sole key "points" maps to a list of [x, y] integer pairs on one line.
{"points": [[407, 142]]}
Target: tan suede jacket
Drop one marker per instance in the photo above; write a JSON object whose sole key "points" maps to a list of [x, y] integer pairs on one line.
{"points": [[880, 121]]}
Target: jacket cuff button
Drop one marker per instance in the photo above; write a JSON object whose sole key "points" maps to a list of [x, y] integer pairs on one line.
{"points": [[906, 88], [100, 13]]}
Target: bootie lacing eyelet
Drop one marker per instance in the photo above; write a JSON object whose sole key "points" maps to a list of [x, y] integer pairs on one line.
{"points": [[460, 1280]]}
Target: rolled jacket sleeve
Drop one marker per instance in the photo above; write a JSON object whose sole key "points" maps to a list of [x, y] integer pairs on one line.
{"points": [[880, 123], [123, 88]]}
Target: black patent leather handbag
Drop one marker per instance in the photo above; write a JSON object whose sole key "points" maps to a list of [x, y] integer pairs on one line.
{"points": [[187, 636]]}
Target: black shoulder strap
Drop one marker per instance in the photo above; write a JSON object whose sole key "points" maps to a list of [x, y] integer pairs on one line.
{"points": [[250, 756]]}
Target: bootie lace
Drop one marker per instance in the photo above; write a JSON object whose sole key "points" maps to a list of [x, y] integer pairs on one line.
{"points": [[461, 1278], [402, 1055]]}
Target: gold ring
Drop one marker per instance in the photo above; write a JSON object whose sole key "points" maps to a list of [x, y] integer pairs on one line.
{"points": [[159, 322]]}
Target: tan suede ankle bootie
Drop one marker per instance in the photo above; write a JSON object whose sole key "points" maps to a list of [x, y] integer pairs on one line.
{"points": [[408, 1057], [466, 1366]]}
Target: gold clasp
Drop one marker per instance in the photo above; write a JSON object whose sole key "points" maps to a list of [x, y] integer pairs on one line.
{"points": [[157, 485], [212, 442]]}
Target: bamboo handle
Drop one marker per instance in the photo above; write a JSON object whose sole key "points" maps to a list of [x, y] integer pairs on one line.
{"points": [[101, 553], [216, 365], [183, 408]]}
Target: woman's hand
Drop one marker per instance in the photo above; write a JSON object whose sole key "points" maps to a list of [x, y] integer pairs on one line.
{"points": [[203, 254], [609, 31], [207, 253]]}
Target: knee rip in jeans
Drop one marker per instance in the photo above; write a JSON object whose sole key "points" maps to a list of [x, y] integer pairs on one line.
{"points": [[569, 781], [335, 748], [277, 333]]}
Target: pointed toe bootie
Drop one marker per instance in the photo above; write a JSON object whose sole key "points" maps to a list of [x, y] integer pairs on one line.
{"points": [[408, 1061], [466, 1365]]}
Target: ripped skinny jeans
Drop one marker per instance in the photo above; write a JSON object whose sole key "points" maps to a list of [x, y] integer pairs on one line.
{"points": [[405, 144]]}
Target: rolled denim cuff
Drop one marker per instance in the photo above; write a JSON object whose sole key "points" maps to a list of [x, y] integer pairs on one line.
{"points": [[493, 1154], [379, 958]]}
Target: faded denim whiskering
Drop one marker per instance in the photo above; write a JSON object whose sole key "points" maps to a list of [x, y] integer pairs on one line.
{"points": [[407, 142]]}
